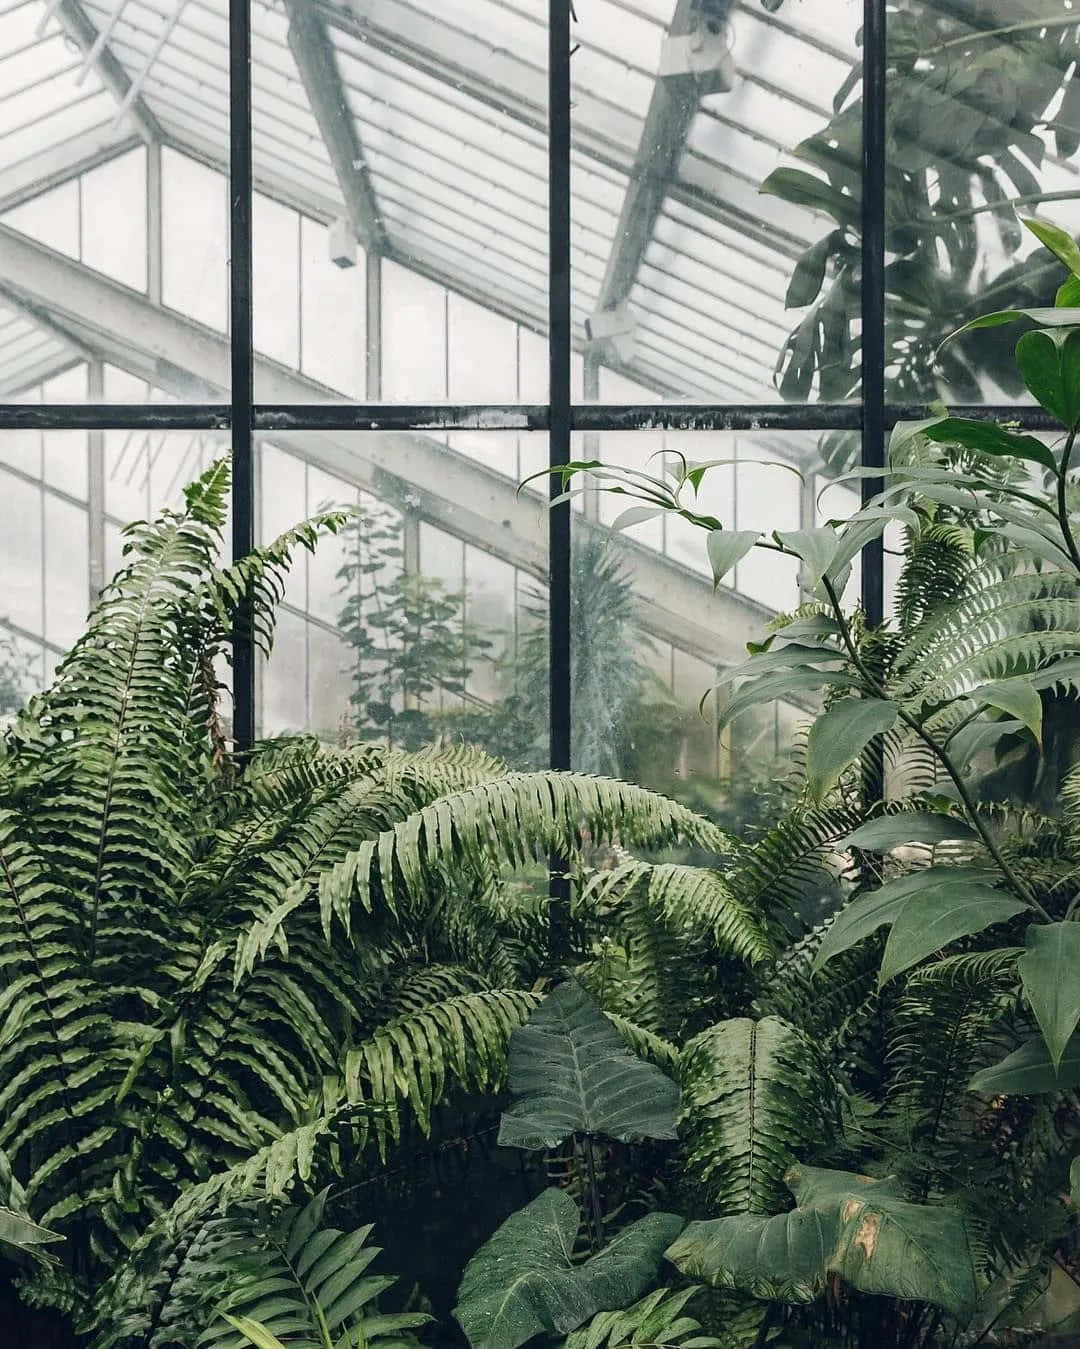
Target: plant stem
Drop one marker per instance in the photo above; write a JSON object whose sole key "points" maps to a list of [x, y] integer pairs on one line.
{"points": [[594, 1193], [1063, 506], [1027, 26], [958, 782]]}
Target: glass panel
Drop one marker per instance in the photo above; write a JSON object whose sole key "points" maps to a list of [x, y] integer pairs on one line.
{"points": [[114, 219], [194, 234], [649, 629], [682, 263], [424, 619], [984, 126]]}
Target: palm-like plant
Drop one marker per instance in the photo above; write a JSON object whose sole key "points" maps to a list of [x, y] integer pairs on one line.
{"points": [[212, 964]]}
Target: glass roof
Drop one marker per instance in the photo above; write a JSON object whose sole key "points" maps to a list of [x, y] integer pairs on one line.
{"points": [[443, 103]]}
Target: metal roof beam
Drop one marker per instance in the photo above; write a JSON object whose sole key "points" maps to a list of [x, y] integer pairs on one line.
{"points": [[316, 62], [671, 109], [83, 32], [448, 489], [56, 164]]}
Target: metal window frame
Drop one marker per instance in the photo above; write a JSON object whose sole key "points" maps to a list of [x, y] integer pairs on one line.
{"points": [[560, 418]]}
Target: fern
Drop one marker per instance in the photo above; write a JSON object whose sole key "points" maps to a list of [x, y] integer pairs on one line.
{"points": [[657, 1321]]}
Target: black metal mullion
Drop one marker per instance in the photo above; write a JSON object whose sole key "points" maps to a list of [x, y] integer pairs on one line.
{"points": [[873, 289], [560, 344], [873, 335], [243, 358]]}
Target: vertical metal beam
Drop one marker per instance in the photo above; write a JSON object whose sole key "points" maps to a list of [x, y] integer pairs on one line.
{"points": [[243, 358], [560, 337], [373, 326], [95, 486], [875, 64], [154, 269]]}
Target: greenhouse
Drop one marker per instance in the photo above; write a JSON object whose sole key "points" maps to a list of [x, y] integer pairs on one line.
{"points": [[539, 670]]}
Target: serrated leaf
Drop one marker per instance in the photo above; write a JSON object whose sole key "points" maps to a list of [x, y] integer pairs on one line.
{"points": [[843, 1225], [840, 735], [893, 831], [523, 1282], [1050, 974], [727, 547], [572, 1072]]}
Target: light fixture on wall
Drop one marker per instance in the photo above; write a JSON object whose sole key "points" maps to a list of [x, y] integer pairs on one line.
{"points": [[342, 241], [704, 52]]}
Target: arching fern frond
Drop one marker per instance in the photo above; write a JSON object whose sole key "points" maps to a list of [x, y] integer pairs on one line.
{"points": [[499, 825], [659, 1320]]}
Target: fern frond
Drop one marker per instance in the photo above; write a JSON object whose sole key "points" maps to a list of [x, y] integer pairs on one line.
{"points": [[755, 1095], [657, 1321], [499, 825]]}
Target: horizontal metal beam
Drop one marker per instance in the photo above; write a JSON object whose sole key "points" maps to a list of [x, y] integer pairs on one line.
{"points": [[316, 62], [440, 417]]}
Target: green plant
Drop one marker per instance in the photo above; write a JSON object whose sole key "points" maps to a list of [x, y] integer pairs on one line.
{"points": [[413, 646], [954, 942], [225, 975]]}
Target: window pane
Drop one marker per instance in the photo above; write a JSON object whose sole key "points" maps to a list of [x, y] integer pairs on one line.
{"points": [[681, 262], [984, 128], [194, 230], [424, 619]]}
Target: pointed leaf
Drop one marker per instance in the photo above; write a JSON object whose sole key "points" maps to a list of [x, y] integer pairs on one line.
{"points": [[893, 831], [254, 1333], [572, 1072], [840, 735], [728, 547], [1050, 973], [523, 1281], [1038, 358], [1057, 240], [816, 548], [1028, 1071], [1018, 698], [635, 515], [934, 917], [989, 438]]}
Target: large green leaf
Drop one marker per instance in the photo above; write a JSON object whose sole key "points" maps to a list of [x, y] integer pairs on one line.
{"points": [[1058, 241], [840, 735], [990, 438], [1049, 362], [845, 1225], [754, 1093], [572, 1072], [893, 831], [872, 910], [523, 1281], [1028, 1071], [1017, 697], [935, 916], [1050, 972], [768, 687]]}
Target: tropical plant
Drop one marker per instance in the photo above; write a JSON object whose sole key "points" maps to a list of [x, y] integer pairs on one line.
{"points": [[228, 974], [413, 646], [938, 1005], [981, 95]]}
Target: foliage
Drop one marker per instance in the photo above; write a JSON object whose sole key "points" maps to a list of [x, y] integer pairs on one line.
{"points": [[291, 1275], [226, 976]]}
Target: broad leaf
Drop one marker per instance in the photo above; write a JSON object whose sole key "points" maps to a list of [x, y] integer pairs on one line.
{"points": [[1015, 696], [1050, 973], [523, 1281], [844, 1225], [635, 515], [815, 548], [1068, 294], [1058, 241], [780, 685], [572, 1072], [977, 736], [726, 547], [1046, 318], [866, 913], [254, 1332], [990, 438], [893, 831], [1028, 1071], [1049, 369], [840, 735], [937, 915]]}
